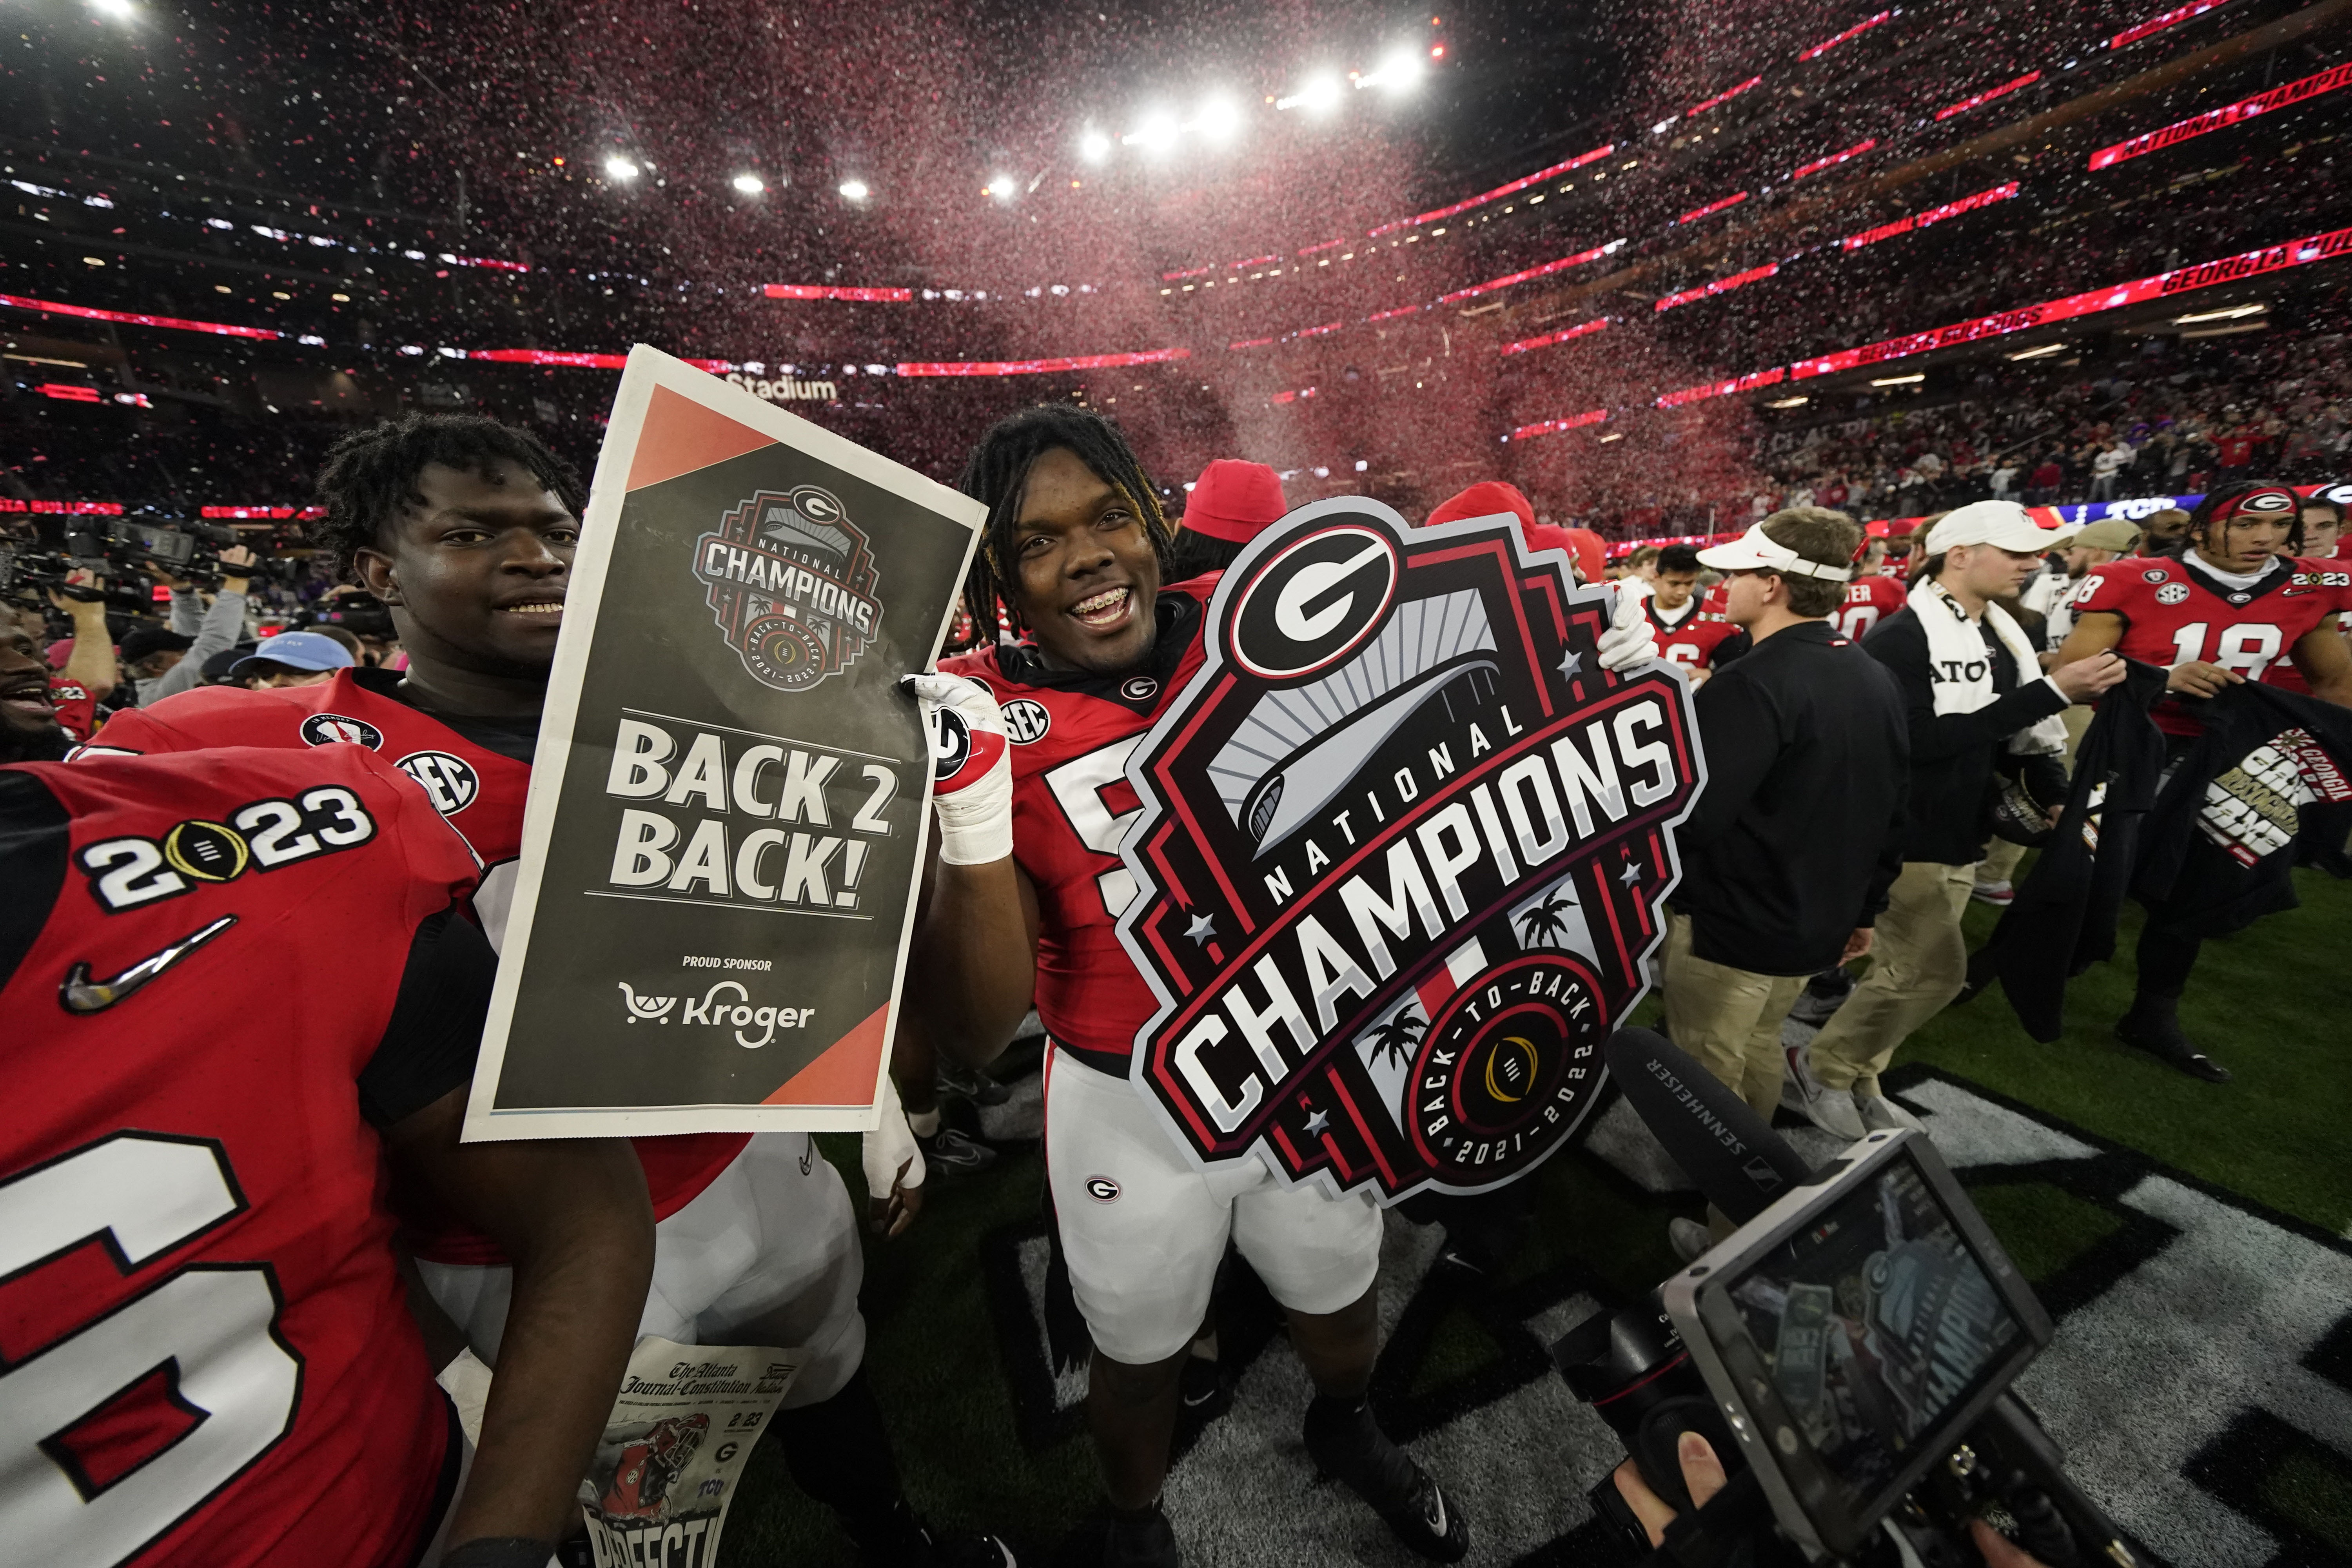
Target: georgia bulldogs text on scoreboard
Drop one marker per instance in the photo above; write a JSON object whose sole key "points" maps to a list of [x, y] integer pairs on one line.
{"points": [[1403, 851]]}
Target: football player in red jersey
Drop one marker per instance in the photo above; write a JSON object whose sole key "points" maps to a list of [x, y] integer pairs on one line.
{"points": [[465, 528], [1684, 633], [1873, 596], [1023, 907], [236, 983], [2222, 612]]}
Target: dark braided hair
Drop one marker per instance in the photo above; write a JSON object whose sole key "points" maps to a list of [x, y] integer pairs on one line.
{"points": [[2220, 502], [997, 474], [371, 475]]}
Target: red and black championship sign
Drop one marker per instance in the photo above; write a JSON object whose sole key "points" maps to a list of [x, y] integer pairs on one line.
{"points": [[791, 584], [1401, 855]]}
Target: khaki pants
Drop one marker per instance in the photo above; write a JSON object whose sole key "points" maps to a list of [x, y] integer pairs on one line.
{"points": [[2000, 863], [1729, 1019], [1918, 963]]}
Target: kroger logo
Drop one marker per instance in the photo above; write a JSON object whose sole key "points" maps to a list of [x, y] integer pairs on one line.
{"points": [[725, 1005]]}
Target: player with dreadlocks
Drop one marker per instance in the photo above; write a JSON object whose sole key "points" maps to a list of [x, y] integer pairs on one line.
{"points": [[465, 528], [2218, 615], [1024, 911]]}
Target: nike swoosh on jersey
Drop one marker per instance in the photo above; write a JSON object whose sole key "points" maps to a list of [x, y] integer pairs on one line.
{"points": [[80, 993]]}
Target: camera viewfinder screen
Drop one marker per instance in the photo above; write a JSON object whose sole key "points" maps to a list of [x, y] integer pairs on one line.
{"points": [[1872, 1323]]}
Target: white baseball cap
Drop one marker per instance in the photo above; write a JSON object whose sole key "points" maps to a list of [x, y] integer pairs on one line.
{"points": [[1756, 549], [2003, 524]]}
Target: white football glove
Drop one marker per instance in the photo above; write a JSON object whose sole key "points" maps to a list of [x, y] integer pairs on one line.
{"points": [[972, 769], [1629, 639], [894, 1167]]}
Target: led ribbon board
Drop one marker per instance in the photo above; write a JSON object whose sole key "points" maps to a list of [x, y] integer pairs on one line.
{"points": [[1403, 849]]}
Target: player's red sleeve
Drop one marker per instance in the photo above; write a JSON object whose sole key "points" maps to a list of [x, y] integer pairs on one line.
{"points": [[2109, 589], [137, 731], [442, 870]]}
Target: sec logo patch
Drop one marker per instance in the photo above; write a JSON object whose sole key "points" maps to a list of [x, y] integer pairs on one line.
{"points": [[449, 782], [334, 729], [1102, 1189], [1026, 720], [2172, 592]]}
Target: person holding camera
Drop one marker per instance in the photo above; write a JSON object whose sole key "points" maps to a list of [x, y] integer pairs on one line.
{"points": [[1702, 1477], [1975, 698], [165, 662]]}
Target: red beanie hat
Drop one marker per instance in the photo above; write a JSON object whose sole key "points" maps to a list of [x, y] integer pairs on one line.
{"points": [[1234, 501], [1486, 499]]}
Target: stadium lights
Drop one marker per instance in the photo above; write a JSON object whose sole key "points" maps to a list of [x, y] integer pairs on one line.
{"points": [[1400, 72], [750, 184], [119, 9], [1788, 403], [1002, 186], [1217, 119], [1319, 95], [1612, 435], [1900, 380], [1157, 133], [2045, 349], [2227, 313], [620, 168], [854, 189], [1094, 146]]}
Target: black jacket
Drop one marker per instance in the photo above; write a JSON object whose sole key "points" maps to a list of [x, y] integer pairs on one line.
{"points": [[1954, 755], [1790, 845]]}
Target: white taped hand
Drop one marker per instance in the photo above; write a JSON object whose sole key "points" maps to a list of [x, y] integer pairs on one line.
{"points": [[894, 1166], [971, 791], [1629, 639]]}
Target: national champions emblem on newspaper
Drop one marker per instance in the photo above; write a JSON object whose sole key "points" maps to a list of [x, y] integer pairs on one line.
{"points": [[791, 584], [1403, 852]]}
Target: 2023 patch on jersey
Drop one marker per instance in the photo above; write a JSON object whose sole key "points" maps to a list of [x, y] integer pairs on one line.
{"points": [[204, 1351], [481, 794]]}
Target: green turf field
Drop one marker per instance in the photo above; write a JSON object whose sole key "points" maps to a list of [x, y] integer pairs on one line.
{"points": [[2189, 1236]]}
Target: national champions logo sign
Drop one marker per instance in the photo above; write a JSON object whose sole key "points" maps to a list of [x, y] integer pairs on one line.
{"points": [[792, 583], [1402, 853]]}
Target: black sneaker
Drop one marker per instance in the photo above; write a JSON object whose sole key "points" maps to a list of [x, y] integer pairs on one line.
{"points": [[971, 1084], [1107, 1540], [950, 1154], [2161, 1037], [905, 1540], [1350, 1447]]}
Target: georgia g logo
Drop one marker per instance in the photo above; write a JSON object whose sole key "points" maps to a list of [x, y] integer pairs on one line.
{"points": [[951, 742], [1315, 602]]}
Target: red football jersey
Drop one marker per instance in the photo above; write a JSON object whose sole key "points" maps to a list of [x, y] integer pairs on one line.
{"points": [[1072, 804], [479, 790], [208, 1357], [2175, 613], [1690, 635], [1868, 600], [77, 710]]}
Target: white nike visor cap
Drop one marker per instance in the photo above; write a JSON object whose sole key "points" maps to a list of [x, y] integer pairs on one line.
{"points": [[1755, 550]]}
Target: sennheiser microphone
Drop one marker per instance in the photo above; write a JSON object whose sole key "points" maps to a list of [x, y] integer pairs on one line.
{"points": [[1735, 1158]]}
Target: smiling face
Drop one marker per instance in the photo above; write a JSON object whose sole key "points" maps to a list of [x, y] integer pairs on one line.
{"points": [[1085, 575], [28, 723], [475, 576]]}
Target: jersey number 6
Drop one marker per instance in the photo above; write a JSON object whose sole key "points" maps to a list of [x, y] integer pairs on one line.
{"points": [[133, 1422]]}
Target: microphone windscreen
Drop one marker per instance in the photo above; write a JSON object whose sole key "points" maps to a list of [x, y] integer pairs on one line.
{"points": [[1731, 1153]]}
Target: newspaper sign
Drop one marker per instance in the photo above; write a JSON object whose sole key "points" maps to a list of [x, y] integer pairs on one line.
{"points": [[1402, 853], [728, 809], [668, 1462]]}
